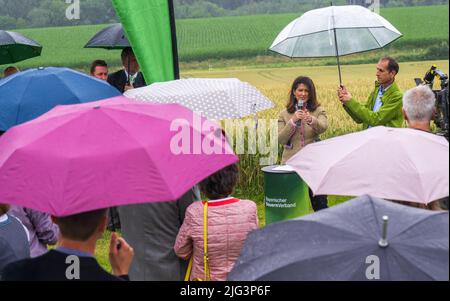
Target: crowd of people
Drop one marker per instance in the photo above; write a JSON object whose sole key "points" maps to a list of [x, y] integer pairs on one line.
{"points": [[190, 238], [129, 77]]}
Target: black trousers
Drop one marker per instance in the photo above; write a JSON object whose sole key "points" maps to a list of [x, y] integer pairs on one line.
{"points": [[318, 202]]}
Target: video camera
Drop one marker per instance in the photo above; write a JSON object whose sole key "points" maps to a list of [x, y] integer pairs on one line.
{"points": [[441, 118]]}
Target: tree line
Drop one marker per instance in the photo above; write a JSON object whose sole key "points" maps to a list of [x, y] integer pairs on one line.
{"points": [[46, 13]]}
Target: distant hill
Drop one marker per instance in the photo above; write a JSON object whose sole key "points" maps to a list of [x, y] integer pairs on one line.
{"points": [[425, 31], [48, 13]]}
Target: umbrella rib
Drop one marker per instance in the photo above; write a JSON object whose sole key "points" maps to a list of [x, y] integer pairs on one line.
{"points": [[321, 224], [412, 264], [417, 223], [296, 43], [372, 205], [325, 30], [20, 104], [362, 51], [68, 87], [369, 29]]}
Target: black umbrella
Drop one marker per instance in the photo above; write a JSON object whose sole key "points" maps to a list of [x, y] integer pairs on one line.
{"points": [[111, 37], [349, 242], [14, 47]]}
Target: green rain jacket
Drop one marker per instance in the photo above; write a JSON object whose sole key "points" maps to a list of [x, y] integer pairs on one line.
{"points": [[390, 114]]}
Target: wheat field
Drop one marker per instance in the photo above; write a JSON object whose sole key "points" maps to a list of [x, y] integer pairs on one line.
{"points": [[359, 80], [275, 84]]}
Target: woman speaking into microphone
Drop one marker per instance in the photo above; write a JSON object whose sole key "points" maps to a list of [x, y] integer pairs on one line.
{"points": [[300, 124]]}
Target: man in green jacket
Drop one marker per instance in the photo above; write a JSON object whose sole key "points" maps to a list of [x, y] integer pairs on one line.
{"points": [[384, 104]]}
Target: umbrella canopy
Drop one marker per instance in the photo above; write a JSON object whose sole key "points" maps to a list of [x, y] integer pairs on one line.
{"points": [[215, 98], [14, 47], [113, 152], [342, 242], [111, 37], [390, 163], [29, 94], [334, 31]]}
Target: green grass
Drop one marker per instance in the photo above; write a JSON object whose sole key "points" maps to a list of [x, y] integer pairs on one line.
{"points": [[425, 32]]}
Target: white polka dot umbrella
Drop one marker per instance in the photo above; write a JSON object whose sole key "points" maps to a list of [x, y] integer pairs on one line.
{"points": [[214, 98]]}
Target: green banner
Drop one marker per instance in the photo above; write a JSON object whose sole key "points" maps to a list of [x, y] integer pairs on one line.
{"points": [[150, 28]]}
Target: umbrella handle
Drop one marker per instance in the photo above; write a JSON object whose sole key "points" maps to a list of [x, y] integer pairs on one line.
{"points": [[337, 56], [383, 243], [336, 47]]}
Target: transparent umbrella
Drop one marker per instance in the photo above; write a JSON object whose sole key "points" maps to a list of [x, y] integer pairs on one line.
{"points": [[334, 31]]}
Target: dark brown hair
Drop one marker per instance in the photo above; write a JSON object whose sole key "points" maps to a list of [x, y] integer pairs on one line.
{"points": [[10, 71], [82, 226], [126, 52], [392, 64], [433, 206], [221, 184], [4, 209], [97, 63], [312, 103]]}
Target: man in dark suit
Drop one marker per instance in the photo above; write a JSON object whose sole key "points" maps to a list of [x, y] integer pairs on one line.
{"points": [[152, 229], [129, 77], [73, 259]]}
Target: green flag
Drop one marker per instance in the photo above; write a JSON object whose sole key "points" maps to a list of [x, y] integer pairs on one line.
{"points": [[150, 28]]}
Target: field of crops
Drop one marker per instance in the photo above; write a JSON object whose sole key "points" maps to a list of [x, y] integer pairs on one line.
{"points": [[425, 32], [275, 83]]}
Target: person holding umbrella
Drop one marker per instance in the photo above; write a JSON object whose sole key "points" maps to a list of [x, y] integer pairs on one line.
{"points": [[300, 124], [384, 104], [129, 77]]}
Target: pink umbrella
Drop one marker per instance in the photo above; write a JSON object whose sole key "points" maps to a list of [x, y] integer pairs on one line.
{"points": [[396, 164], [113, 152]]}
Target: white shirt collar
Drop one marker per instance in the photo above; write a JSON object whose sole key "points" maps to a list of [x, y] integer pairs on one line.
{"points": [[126, 73]]}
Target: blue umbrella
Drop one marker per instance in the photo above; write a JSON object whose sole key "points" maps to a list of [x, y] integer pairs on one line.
{"points": [[29, 94]]}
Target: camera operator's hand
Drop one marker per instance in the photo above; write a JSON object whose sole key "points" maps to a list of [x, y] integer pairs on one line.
{"points": [[120, 255], [343, 94]]}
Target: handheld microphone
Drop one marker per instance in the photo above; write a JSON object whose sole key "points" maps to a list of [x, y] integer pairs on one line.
{"points": [[299, 107]]}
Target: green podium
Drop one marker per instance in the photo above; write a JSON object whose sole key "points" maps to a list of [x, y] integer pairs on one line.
{"points": [[285, 194]]}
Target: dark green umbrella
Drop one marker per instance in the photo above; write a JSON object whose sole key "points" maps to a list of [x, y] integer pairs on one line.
{"points": [[14, 47]]}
